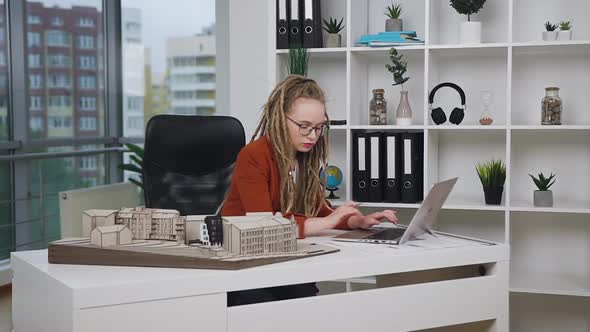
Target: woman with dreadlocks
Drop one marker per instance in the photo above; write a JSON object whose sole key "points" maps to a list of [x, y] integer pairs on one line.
{"points": [[279, 171]]}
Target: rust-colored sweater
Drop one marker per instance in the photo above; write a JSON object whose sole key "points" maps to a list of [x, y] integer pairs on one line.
{"points": [[255, 185]]}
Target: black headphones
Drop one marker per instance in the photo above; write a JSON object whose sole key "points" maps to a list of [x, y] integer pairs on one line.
{"points": [[438, 115]]}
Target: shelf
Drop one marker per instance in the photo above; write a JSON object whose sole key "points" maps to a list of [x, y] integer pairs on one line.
{"points": [[320, 53], [467, 46], [450, 205], [557, 208], [338, 127], [465, 127], [387, 127], [550, 128], [546, 284], [385, 49]]}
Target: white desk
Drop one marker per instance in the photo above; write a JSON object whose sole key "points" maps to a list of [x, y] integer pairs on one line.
{"points": [[67, 298]]}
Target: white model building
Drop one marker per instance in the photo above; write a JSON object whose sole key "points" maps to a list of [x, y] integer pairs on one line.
{"points": [[96, 218], [259, 234], [153, 224], [104, 236]]}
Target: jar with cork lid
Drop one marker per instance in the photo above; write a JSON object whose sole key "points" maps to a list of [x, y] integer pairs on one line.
{"points": [[378, 108], [551, 107]]}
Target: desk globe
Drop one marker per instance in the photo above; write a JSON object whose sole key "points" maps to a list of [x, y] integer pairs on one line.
{"points": [[333, 180]]}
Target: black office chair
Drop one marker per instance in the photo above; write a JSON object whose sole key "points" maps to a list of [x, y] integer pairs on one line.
{"points": [[188, 161]]}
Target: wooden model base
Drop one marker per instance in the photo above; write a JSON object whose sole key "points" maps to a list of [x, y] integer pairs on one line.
{"points": [[166, 254]]}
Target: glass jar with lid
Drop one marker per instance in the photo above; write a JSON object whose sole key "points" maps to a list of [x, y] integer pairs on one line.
{"points": [[551, 107], [378, 108]]}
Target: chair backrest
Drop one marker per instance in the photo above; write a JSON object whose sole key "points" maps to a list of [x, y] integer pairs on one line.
{"points": [[188, 161]]}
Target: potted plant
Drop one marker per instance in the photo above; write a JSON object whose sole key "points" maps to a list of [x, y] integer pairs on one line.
{"points": [[469, 32], [135, 166], [543, 196], [297, 61], [403, 114], [394, 22], [333, 28], [492, 175], [565, 32], [550, 33]]}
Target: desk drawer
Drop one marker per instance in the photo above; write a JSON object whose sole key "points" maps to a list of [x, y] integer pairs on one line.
{"points": [[400, 308]]}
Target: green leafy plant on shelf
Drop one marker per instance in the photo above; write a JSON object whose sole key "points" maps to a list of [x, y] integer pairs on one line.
{"points": [[333, 26], [550, 27], [136, 164], [398, 67], [297, 61], [467, 7], [565, 25], [394, 11], [492, 174], [543, 183]]}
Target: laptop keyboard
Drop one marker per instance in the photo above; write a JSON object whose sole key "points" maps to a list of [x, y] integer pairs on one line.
{"points": [[388, 234]]}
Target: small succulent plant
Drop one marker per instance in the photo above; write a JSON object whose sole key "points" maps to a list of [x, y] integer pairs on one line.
{"points": [[394, 11], [550, 27], [565, 25], [542, 182], [333, 26]]}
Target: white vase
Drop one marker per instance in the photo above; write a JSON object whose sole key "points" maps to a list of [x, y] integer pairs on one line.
{"points": [[565, 35], [550, 35], [470, 32]]}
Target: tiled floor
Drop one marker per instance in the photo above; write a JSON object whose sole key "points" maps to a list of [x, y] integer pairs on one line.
{"points": [[5, 309]]}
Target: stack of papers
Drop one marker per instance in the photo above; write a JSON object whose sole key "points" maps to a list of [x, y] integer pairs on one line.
{"points": [[394, 38]]}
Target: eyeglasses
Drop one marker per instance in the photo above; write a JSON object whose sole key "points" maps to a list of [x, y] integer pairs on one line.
{"points": [[305, 129]]}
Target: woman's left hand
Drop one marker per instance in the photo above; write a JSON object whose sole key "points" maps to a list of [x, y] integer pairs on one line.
{"points": [[372, 219]]}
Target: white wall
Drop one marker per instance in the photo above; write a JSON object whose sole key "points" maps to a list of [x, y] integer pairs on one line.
{"points": [[243, 63]]}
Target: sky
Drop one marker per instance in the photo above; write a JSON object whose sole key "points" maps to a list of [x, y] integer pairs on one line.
{"points": [[160, 20]]}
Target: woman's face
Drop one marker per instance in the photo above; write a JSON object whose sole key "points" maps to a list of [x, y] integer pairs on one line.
{"points": [[305, 123]]}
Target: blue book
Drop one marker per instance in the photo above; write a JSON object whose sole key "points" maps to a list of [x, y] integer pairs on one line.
{"points": [[389, 38]]}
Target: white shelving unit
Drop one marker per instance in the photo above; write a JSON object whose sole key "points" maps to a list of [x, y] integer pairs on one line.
{"points": [[550, 247]]}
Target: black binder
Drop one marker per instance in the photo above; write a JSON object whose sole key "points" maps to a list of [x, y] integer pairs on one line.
{"points": [[312, 23], [360, 171], [295, 26], [282, 24], [412, 161], [375, 166], [391, 166]]}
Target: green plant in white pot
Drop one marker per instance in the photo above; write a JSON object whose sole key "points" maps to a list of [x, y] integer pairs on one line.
{"points": [[394, 21], [470, 31], [333, 28], [543, 196], [492, 175], [550, 32], [565, 30]]}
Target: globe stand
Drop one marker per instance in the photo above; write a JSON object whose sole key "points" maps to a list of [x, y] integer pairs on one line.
{"points": [[332, 196]]}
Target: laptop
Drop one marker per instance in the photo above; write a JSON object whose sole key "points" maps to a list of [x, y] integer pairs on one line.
{"points": [[422, 222]]}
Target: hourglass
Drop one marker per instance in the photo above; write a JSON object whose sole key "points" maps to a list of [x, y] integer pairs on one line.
{"points": [[487, 98]]}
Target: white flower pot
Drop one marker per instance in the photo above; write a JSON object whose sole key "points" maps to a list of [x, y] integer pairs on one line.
{"points": [[565, 35], [550, 35], [470, 33]]}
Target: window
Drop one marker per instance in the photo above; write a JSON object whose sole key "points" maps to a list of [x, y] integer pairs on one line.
{"points": [[86, 22], [87, 123], [59, 61], [2, 35], [87, 82], [88, 162], [133, 26], [184, 95], [36, 123], [58, 38], [35, 81], [59, 101], [88, 103], [34, 60], [2, 59], [85, 42], [58, 81], [33, 39], [89, 181], [33, 19], [36, 102], [135, 103], [87, 62], [59, 122], [57, 21]]}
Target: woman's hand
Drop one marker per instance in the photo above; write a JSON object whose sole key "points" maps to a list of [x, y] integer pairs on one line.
{"points": [[360, 221], [343, 212]]}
